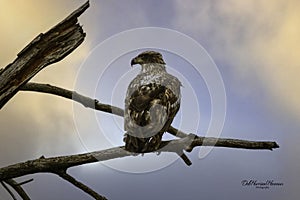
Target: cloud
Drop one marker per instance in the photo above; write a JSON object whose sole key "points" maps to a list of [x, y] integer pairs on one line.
{"points": [[281, 59], [256, 44], [258, 41]]}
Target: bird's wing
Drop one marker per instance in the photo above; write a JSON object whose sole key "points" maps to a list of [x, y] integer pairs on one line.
{"points": [[149, 107]]}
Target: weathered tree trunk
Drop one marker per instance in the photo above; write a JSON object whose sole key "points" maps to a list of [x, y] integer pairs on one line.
{"points": [[44, 50]]}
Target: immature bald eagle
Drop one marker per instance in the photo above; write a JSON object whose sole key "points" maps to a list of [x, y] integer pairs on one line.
{"points": [[151, 103]]}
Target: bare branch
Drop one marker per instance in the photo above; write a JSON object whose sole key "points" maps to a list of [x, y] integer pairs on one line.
{"points": [[188, 143], [233, 143], [17, 187], [176, 132], [64, 162], [185, 159], [44, 50], [8, 190], [24, 182], [72, 95], [85, 101], [80, 185]]}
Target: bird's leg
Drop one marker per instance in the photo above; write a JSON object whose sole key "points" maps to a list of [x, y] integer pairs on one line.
{"points": [[131, 144], [155, 142]]}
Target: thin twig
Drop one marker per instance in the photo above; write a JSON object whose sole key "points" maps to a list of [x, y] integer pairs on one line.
{"points": [[8, 190], [24, 182], [80, 185], [185, 159], [17, 187]]}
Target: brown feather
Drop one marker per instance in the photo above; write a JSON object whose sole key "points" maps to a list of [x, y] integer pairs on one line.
{"points": [[152, 101]]}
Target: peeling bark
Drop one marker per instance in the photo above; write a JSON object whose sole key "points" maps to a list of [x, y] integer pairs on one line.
{"points": [[45, 49]]}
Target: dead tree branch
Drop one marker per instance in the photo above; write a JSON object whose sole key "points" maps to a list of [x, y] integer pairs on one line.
{"points": [[17, 187], [24, 182], [72, 95], [80, 185], [233, 143], [9, 191], [45, 49], [95, 104], [62, 163], [85, 101]]}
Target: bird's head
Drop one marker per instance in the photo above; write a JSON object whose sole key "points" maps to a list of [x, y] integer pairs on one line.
{"points": [[148, 57]]}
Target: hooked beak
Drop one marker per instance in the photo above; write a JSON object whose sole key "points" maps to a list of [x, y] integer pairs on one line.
{"points": [[136, 60], [132, 62]]}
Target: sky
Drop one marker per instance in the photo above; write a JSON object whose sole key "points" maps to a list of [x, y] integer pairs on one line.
{"points": [[253, 45]]}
